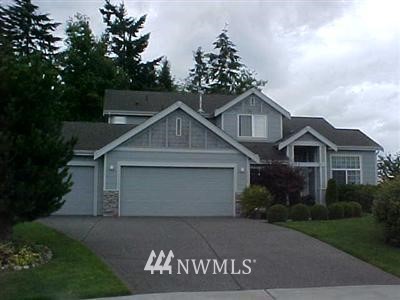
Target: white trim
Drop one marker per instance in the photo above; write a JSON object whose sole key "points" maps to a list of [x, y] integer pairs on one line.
{"points": [[306, 143], [252, 136], [83, 152], [95, 178], [222, 122], [248, 171], [192, 150], [303, 131], [129, 113], [121, 164], [104, 172], [361, 148], [306, 164], [166, 112], [178, 129], [346, 169], [256, 92]]}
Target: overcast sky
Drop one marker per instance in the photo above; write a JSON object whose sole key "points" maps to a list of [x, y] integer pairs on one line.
{"points": [[336, 59]]}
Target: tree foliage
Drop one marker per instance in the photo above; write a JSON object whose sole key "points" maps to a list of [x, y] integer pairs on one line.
{"points": [[198, 79], [165, 80], [389, 166], [26, 31]]}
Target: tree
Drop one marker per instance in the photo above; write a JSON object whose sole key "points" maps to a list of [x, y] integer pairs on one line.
{"points": [[247, 81], [164, 78], [331, 195], [389, 166], [33, 156], [26, 30], [283, 181], [86, 72], [198, 78], [127, 47]]}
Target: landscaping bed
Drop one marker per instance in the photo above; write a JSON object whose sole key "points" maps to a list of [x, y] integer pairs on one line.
{"points": [[360, 237], [74, 272]]}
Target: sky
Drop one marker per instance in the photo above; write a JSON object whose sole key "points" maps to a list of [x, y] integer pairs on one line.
{"points": [[335, 59]]}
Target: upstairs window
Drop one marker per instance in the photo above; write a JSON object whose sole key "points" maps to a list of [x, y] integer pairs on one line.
{"points": [[346, 169], [178, 127], [118, 120], [252, 126]]}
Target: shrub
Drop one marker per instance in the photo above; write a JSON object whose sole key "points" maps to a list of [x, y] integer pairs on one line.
{"points": [[277, 213], [308, 200], [387, 209], [319, 212], [356, 209], [347, 209], [363, 194], [331, 195], [335, 211], [255, 199], [300, 212]]}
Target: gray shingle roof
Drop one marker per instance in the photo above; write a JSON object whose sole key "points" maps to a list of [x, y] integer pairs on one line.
{"points": [[145, 101], [266, 151], [93, 136], [341, 137]]}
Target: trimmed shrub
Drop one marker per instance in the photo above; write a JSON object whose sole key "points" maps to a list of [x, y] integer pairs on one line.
{"points": [[363, 194], [331, 195], [319, 212], [299, 212], [356, 209], [277, 213], [347, 209], [255, 199], [387, 210], [335, 211]]}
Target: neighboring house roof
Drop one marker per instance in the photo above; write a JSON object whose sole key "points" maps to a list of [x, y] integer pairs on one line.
{"points": [[266, 151], [258, 93], [152, 102], [178, 105], [91, 135], [341, 137]]}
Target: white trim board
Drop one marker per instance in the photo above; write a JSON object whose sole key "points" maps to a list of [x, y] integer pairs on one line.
{"points": [[303, 131], [150, 164], [258, 93], [163, 114]]}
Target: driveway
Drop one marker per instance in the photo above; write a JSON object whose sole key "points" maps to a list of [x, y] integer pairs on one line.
{"points": [[283, 258]]}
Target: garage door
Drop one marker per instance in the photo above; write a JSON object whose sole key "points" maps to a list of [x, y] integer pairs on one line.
{"points": [[80, 200], [164, 191]]}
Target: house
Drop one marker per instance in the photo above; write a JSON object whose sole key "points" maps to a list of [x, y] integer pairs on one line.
{"points": [[176, 154]]}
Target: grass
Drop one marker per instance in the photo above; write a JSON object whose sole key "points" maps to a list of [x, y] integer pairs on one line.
{"points": [[360, 237], [73, 273]]}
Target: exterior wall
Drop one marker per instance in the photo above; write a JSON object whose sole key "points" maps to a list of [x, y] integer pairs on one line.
{"points": [[162, 135], [229, 119], [368, 165]]}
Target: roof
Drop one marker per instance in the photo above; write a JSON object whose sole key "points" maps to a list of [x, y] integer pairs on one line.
{"points": [[177, 105], [341, 137], [266, 151], [153, 102], [92, 136]]}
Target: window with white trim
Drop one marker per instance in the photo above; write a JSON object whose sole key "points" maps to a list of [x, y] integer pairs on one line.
{"points": [[346, 169], [178, 127], [252, 126]]}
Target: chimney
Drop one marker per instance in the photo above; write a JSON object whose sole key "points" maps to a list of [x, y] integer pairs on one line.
{"points": [[201, 102]]}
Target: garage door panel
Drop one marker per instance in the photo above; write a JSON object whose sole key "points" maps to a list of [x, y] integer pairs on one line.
{"points": [[79, 201], [160, 191]]}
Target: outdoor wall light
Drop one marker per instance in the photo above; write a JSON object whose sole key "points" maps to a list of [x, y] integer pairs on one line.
{"points": [[112, 167]]}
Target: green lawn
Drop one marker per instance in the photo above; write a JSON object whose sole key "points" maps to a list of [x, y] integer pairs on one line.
{"points": [[74, 272], [360, 237]]}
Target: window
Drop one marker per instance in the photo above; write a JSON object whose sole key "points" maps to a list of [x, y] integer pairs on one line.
{"points": [[118, 120], [252, 125], [252, 101], [346, 169], [178, 129]]}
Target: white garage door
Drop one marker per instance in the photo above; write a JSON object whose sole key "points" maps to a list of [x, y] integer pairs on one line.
{"points": [[172, 191], [80, 200]]}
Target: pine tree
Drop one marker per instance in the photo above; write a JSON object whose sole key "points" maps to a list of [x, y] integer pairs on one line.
{"points": [[86, 72], [27, 31], [225, 65], [165, 80], [198, 78], [122, 35], [33, 155]]}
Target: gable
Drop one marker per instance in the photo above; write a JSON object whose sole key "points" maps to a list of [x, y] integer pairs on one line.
{"points": [[162, 134]]}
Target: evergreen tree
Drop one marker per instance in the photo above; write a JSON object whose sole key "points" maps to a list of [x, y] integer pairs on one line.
{"points": [[86, 72], [248, 80], [165, 80], [197, 80], [26, 31], [122, 35], [33, 155]]}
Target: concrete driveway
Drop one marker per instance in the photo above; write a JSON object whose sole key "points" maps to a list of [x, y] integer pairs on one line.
{"points": [[283, 258]]}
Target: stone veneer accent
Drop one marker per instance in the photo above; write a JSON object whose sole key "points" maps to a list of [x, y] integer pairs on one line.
{"points": [[110, 203], [238, 205]]}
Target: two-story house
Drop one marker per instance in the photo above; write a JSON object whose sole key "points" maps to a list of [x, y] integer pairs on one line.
{"points": [[178, 154]]}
